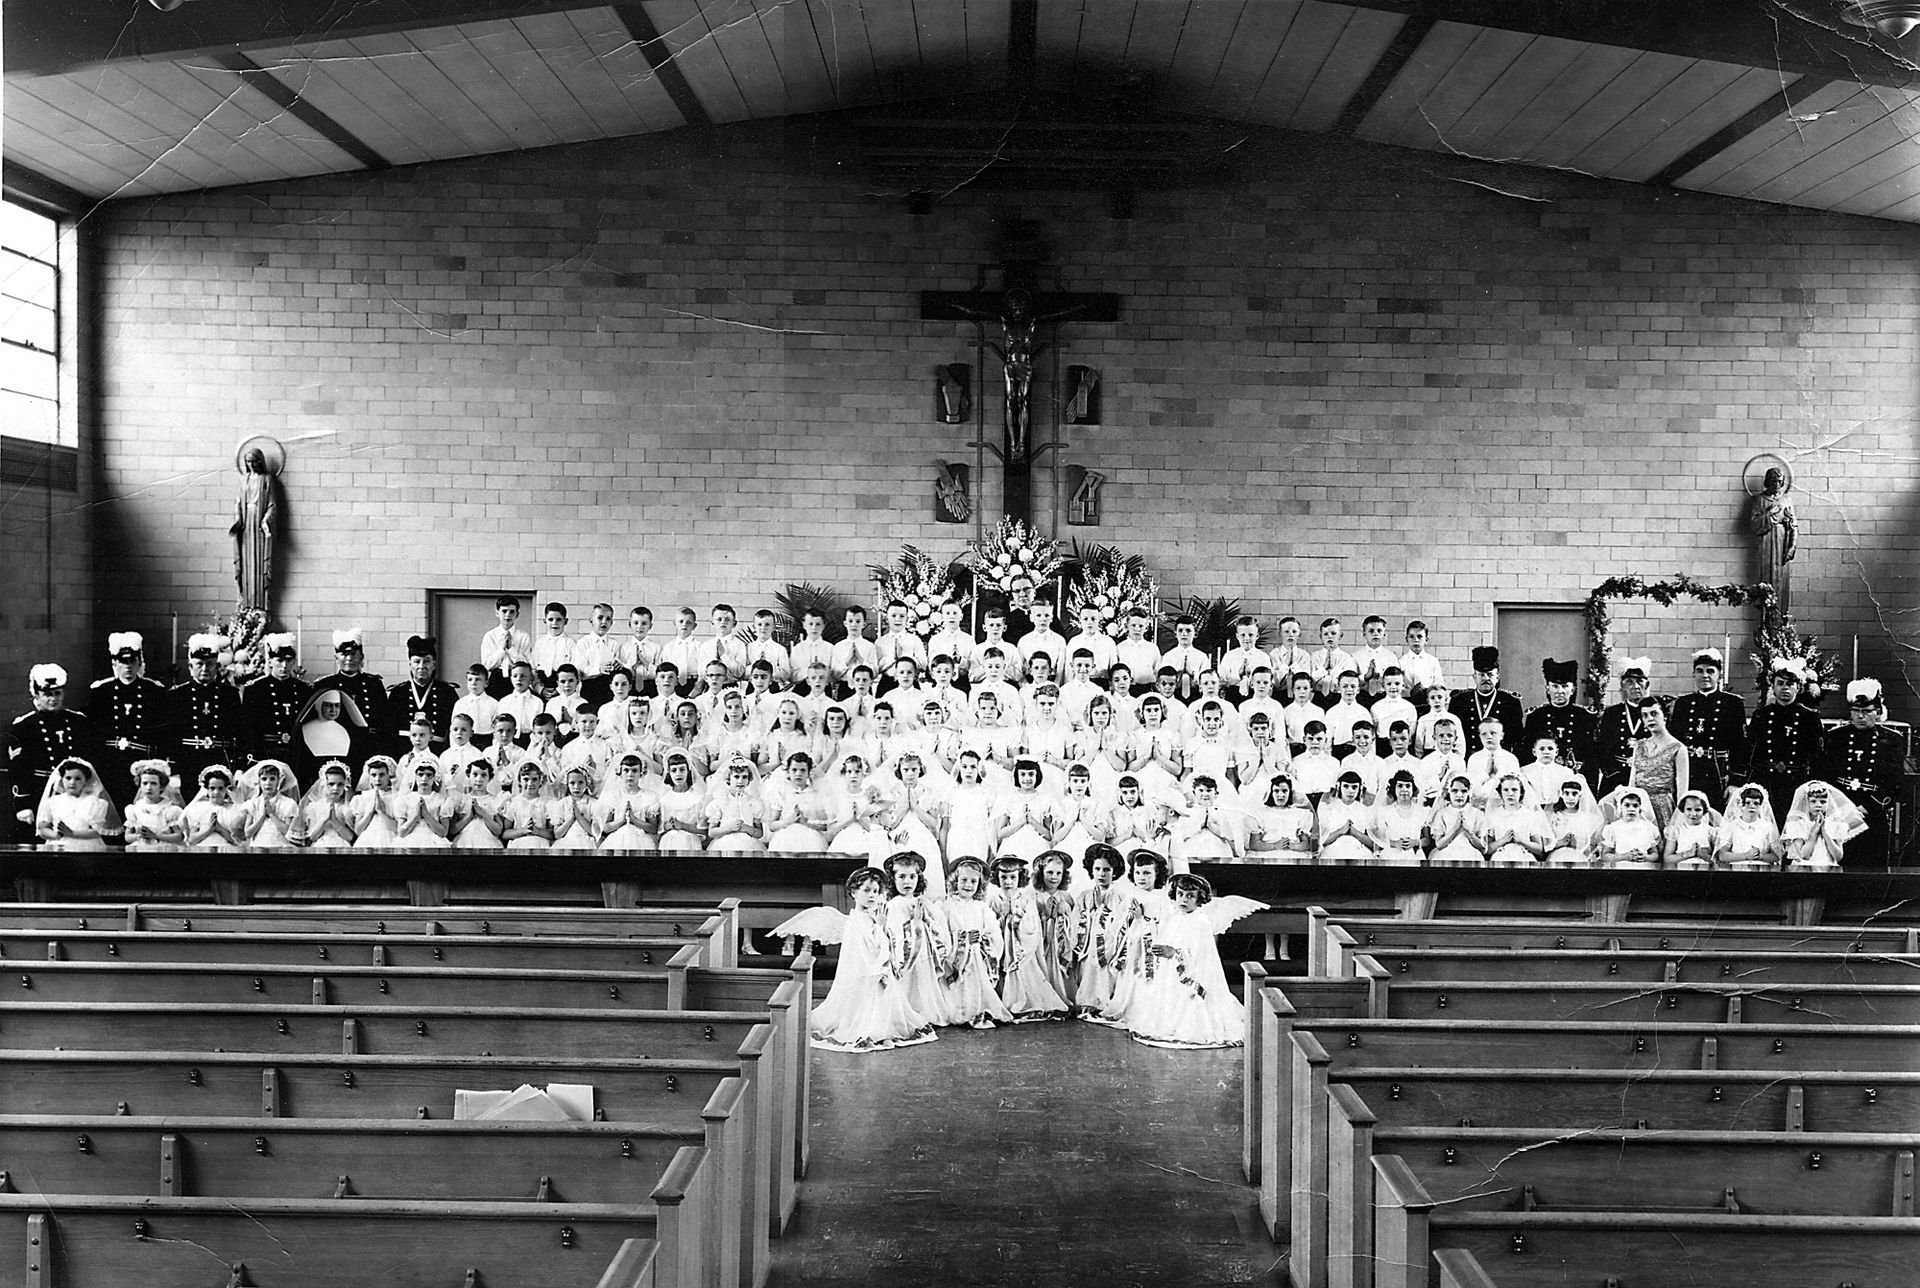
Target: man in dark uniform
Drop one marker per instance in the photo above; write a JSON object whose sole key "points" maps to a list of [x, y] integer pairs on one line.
{"points": [[128, 713], [1487, 701], [368, 691], [422, 694], [270, 705], [1618, 727], [36, 742], [1560, 718], [204, 721], [1866, 761], [1783, 738], [1713, 724]]}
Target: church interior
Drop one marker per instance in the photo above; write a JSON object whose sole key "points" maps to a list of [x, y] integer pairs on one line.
{"points": [[1479, 313]]}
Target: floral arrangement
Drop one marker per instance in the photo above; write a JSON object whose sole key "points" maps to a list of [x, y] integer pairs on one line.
{"points": [[1015, 561], [1113, 585], [1772, 643], [921, 584], [1664, 593], [246, 655]]}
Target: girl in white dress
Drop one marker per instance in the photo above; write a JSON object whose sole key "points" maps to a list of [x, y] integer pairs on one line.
{"points": [[1692, 832], [1282, 829], [1209, 830], [1053, 902], [1020, 817], [971, 980], [856, 823], [1183, 1000], [524, 822], [683, 807], [212, 817], [1050, 738], [628, 808], [426, 810], [1143, 901], [1103, 747], [1025, 984], [1400, 822], [1075, 819], [919, 934], [1632, 839], [474, 823], [1456, 826], [1512, 825], [376, 807], [737, 814], [326, 811], [731, 735], [270, 814], [1570, 830], [1155, 752], [867, 1008], [1097, 932], [1820, 822], [969, 812], [916, 814], [153, 824], [75, 812], [575, 817], [1749, 838], [798, 810], [787, 735], [1345, 828], [1134, 820]]}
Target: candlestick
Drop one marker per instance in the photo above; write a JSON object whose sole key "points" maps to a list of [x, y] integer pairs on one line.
{"points": [[1856, 657], [174, 652]]}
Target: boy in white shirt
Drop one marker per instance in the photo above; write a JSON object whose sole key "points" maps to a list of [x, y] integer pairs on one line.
{"points": [[953, 640], [1314, 769], [567, 702], [813, 694], [1186, 660], [726, 647], [859, 698], [504, 755], [685, 649], [940, 688], [588, 749], [1330, 661], [1042, 638], [551, 649], [504, 645], [637, 653], [1400, 755], [1208, 752], [855, 649], [1342, 715], [1240, 661], [811, 647], [1077, 692], [665, 685], [763, 700], [1392, 704], [1259, 759], [993, 635], [1287, 657], [1139, 651], [898, 641], [460, 752], [1422, 668], [476, 704], [1365, 761], [1260, 701], [1372, 659], [523, 704], [1126, 707], [1299, 711], [1486, 766], [715, 683], [1447, 759], [993, 679], [419, 749], [763, 647], [1180, 719], [595, 654], [1098, 645]]}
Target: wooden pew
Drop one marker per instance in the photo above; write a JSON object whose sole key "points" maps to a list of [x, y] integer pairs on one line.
{"points": [[87, 1240], [1493, 999], [669, 920], [1691, 966], [1332, 940], [1559, 1159], [572, 1162], [1286, 1108], [694, 987], [577, 952], [1554, 1249]]}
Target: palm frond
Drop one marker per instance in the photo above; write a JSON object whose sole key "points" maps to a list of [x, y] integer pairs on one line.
{"points": [[801, 598]]}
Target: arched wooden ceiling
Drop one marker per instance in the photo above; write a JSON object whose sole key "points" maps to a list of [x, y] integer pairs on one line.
{"points": [[1775, 100]]}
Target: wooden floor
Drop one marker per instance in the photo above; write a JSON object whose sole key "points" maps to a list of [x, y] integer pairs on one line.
{"points": [[1047, 1154]]}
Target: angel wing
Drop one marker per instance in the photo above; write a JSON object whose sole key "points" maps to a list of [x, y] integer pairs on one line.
{"points": [[1223, 910], [827, 925]]}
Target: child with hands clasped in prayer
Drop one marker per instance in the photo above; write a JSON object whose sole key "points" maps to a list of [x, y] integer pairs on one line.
{"points": [[970, 980], [1749, 838], [1025, 985], [918, 929], [212, 818], [75, 812], [1691, 833], [1182, 999], [475, 822], [1820, 822], [153, 823], [326, 815], [270, 814], [1632, 840]]}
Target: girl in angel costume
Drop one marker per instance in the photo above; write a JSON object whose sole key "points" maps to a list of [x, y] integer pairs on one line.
{"points": [[867, 1009], [1182, 999], [1146, 901], [1094, 956], [918, 929], [1025, 983], [1053, 900], [971, 979]]}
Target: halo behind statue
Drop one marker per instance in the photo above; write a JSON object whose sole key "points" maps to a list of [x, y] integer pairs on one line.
{"points": [[270, 449], [1754, 476]]}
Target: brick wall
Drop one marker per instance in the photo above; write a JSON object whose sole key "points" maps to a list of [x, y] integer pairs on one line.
{"points": [[678, 369]]}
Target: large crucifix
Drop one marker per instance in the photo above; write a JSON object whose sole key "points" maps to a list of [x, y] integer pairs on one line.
{"points": [[1019, 309]]}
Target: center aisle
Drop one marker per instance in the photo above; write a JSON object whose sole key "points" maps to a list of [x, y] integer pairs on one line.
{"points": [[1051, 1155]]}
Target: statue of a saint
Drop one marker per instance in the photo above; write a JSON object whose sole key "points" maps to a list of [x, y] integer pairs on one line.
{"points": [[1772, 523], [252, 529]]}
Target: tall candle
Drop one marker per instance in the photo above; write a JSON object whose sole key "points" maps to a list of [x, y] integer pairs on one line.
{"points": [[174, 654]]}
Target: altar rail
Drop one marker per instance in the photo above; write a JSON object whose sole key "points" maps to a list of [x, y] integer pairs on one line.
{"points": [[772, 887]]}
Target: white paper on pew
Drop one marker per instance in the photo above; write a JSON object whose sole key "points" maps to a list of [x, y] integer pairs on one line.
{"points": [[560, 1102]]}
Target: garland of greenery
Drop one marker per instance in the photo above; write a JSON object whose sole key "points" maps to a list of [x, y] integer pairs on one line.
{"points": [[1600, 621]]}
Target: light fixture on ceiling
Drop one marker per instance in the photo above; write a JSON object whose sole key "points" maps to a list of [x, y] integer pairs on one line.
{"points": [[1891, 18]]}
